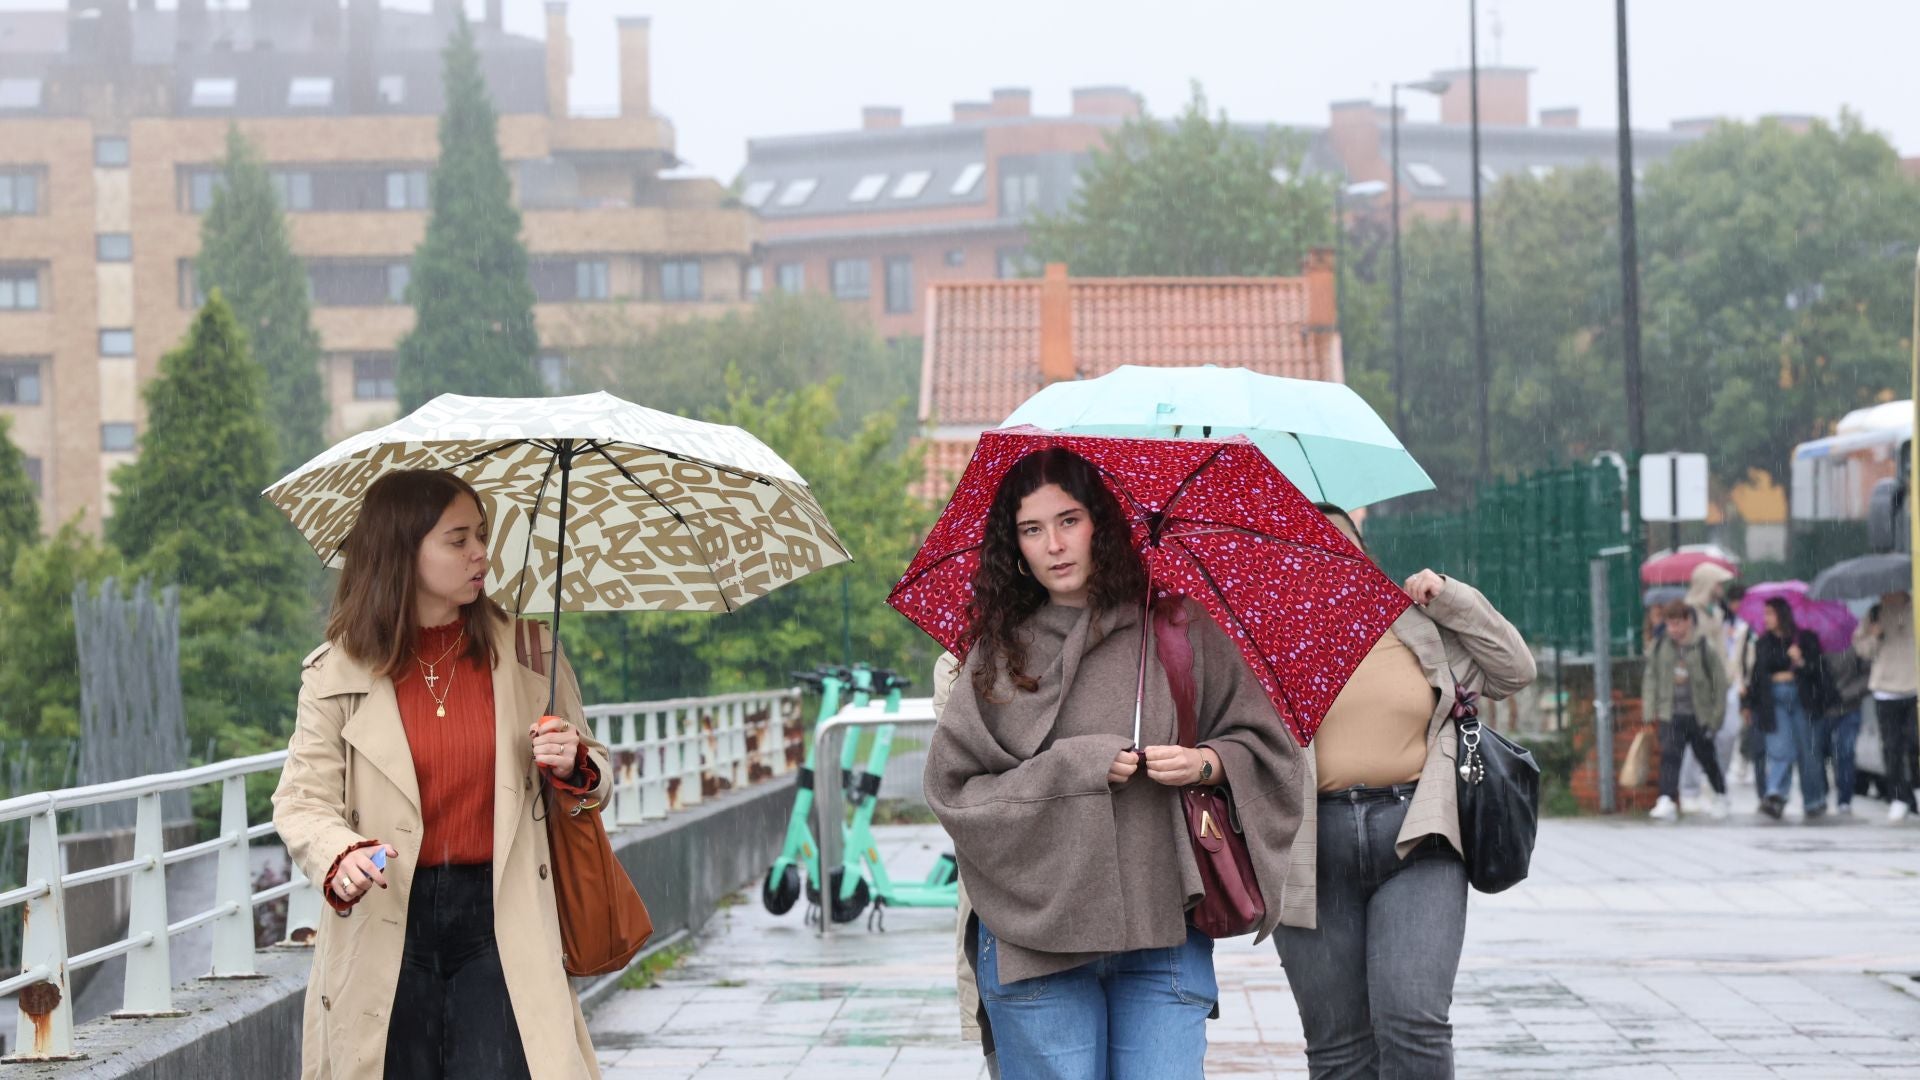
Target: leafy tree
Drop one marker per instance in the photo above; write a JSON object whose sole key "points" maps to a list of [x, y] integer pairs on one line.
{"points": [[40, 682], [245, 254], [474, 330], [19, 502], [1191, 197], [188, 511]]}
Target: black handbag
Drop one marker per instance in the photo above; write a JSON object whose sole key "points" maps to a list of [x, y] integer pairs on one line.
{"points": [[1499, 790]]}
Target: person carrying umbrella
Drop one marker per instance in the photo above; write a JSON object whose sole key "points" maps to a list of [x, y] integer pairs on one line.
{"points": [[1070, 836], [1783, 696], [1885, 640], [410, 794]]}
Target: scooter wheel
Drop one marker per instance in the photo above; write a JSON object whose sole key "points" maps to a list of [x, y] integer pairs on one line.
{"points": [[779, 894], [845, 911]]}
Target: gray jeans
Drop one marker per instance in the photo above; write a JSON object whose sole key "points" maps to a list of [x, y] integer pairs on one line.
{"points": [[1374, 982]]}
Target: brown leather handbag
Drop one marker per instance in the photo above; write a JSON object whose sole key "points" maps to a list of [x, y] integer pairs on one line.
{"points": [[603, 921], [1232, 904]]}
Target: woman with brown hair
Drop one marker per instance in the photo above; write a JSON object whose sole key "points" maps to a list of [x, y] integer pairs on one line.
{"points": [[1072, 842], [412, 795]]}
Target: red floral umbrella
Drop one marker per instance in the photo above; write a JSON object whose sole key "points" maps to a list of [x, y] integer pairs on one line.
{"points": [[1676, 568], [1215, 521]]}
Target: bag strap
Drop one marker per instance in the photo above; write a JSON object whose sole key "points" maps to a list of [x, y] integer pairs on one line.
{"points": [[529, 645], [1175, 649]]}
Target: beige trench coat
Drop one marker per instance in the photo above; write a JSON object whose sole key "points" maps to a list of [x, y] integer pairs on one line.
{"points": [[349, 777]]}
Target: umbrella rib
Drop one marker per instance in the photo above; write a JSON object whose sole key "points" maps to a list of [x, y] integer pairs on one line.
{"points": [[508, 445], [1308, 458], [601, 449], [1201, 567], [533, 522]]}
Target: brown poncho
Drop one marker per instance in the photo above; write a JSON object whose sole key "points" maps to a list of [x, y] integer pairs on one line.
{"points": [[1061, 867]]}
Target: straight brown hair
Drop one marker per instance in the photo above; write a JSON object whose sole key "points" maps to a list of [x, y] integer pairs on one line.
{"points": [[373, 606]]}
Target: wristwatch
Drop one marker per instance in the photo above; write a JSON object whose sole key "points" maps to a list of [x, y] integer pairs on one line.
{"points": [[1206, 769]]}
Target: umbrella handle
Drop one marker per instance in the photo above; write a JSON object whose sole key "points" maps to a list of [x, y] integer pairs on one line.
{"points": [[560, 569]]}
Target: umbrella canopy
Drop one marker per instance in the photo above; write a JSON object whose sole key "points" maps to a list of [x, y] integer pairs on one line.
{"points": [[1830, 621], [1868, 577], [1322, 435], [1677, 567], [1213, 520]]}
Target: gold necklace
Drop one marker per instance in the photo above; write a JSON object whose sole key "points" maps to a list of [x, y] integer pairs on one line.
{"points": [[431, 674]]}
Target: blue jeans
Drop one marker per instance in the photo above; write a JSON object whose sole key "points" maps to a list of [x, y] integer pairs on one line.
{"points": [[1791, 744], [1139, 1015], [1835, 739]]}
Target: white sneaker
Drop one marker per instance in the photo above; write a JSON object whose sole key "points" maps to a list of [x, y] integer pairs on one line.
{"points": [[1718, 807], [1692, 803], [1898, 811], [1664, 810], [1845, 809]]}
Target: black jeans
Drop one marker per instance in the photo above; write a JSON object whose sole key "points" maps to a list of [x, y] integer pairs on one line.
{"points": [[452, 1018], [1899, 747], [1374, 982], [1676, 735]]}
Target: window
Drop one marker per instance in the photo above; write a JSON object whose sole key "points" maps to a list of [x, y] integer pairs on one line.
{"points": [[293, 189], [790, 277], [19, 192], [956, 257], [407, 190], [192, 297], [798, 192], [373, 377], [756, 193], [310, 93], [1013, 263], [756, 282], [200, 187], [214, 93], [852, 279], [590, 279], [1425, 175], [968, 179], [399, 276], [116, 343], [552, 369], [868, 189], [20, 382], [899, 284], [912, 184], [113, 247], [393, 89], [19, 288], [19, 93], [680, 280], [110, 152], [116, 438], [1019, 193]]}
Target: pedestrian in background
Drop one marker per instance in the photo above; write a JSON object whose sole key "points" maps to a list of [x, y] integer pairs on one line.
{"points": [[1782, 697], [1683, 689], [1838, 729], [1742, 750], [1713, 618], [1885, 639]]}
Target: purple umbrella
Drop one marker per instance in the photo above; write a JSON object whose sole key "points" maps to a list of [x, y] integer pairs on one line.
{"points": [[1828, 619]]}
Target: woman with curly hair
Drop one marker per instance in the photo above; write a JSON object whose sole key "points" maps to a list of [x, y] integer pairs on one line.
{"points": [[1072, 841]]}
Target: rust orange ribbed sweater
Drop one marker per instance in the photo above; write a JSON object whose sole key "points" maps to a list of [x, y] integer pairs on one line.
{"points": [[452, 755]]}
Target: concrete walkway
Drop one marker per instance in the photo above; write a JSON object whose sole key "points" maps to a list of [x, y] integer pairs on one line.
{"points": [[1744, 948]]}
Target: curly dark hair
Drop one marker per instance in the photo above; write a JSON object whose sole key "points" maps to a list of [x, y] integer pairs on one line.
{"points": [[1003, 597]]}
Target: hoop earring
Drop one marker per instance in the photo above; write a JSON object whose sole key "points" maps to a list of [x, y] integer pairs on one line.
{"points": [[1021, 569]]}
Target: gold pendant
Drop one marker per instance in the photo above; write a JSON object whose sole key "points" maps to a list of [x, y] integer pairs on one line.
{"points": [[441, 711]]}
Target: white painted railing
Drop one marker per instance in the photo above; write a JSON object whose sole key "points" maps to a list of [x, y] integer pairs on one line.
{"points": [[665, 755]]}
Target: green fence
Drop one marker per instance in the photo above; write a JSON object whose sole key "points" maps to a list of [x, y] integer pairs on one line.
{"points": [[1526, 543]]}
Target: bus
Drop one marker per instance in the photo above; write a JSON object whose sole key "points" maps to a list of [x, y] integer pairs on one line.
{"points": [[1837, 481]]}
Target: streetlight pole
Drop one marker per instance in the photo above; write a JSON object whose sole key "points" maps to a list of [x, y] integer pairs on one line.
{"points": [[1431, 86], [1481, 374], [1629, 250]]}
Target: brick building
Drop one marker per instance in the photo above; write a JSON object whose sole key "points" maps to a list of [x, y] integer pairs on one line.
{"points": [[112, 126], [990, 345]]}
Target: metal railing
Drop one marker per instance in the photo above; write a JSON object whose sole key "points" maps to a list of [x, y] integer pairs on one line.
{"points": [[828, 811], [667, 755]]}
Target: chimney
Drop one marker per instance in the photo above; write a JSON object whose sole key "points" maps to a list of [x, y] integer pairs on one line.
{"points": [[1356, 132], [1056, 326], [1323, 319], [971, 112], [1568, 117], [1503, 96], [1012, 101], [1105, 101], [636, 67], [880, 117], [559, 58]]}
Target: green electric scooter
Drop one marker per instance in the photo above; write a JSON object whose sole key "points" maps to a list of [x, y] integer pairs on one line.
{"points": [[782, 887]]}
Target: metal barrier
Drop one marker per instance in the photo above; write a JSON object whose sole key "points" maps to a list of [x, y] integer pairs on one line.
{"points": [[668, 754], [829, 811]]}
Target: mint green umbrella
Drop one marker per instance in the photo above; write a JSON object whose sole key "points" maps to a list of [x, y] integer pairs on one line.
{"points": [[1321, 435]]}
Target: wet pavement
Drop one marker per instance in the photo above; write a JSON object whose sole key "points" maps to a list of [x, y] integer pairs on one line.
{"points": [[1703, 949]]}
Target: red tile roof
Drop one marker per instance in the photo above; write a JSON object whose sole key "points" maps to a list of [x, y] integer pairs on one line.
{"points": [[982, 351]]}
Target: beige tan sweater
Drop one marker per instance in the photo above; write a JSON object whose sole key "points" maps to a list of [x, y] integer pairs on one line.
{"points": [[1375, 734]]}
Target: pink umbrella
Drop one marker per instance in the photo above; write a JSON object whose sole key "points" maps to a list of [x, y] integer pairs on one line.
{"points": [[1676, 568], [1828, 619]]}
